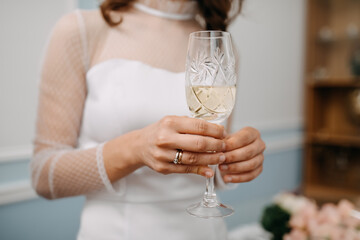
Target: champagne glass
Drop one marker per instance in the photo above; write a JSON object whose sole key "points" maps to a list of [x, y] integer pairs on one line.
{"points": [[210, 82]]}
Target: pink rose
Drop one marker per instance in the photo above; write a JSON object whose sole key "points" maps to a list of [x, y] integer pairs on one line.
{"points": [[351, 222], [310, 211], [331, 222], [345, 207], [296, 234], [328, 231], [302, 219], [329, 214], [351, 234], [298, 220], [312, 224]]}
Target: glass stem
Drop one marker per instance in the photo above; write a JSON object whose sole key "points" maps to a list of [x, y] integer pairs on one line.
{"points": [[209, 199]]}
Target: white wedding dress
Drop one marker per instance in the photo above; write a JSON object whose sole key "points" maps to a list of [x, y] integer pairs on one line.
{"points": [[88, 97], [145, 204]]}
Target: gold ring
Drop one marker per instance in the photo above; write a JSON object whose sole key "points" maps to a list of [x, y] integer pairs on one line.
{"points": [[178, 156]]}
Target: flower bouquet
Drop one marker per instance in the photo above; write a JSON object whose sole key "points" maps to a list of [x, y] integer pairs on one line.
{"points": [[293, 217]]}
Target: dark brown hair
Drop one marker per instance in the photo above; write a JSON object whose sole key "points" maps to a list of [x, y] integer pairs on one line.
{"points": [[217, 14]]}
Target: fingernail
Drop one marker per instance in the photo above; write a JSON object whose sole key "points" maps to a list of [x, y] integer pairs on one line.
{"points": [[224, 133], [227, 179], [208, 174], [223, 146], [224, 167], [222, 158]]}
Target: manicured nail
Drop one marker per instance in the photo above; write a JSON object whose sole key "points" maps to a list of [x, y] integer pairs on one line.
{"points": [[223, 146], [224, 167], [227, 178], [222, 158], [208, 174]]}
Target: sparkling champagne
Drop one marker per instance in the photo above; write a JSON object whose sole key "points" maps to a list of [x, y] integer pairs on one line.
{"points": [[211, 103]]}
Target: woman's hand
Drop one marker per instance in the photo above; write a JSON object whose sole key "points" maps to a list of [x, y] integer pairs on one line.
{"points": [[156, 145], [244, 156], [197, 138]]}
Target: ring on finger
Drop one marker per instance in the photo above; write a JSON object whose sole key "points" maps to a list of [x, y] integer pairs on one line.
{"points": [[178, 156]]}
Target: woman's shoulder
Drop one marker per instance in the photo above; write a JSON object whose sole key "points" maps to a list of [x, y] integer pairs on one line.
{"points": [[91, 18], [78, 22]]}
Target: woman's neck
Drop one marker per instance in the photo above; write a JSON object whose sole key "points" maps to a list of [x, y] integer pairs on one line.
{"points": [[176, 9]]}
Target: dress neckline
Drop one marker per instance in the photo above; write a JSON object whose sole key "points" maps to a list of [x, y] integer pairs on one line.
{"points": [[129, 61], [170, 9]]}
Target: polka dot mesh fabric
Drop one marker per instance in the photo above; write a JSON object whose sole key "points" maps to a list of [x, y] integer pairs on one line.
{"points": [[58, 168], [79, 41]]}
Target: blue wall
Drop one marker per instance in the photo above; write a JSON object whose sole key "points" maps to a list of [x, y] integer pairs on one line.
{"points": [[41, 219], [14, 171], [88, 4]]}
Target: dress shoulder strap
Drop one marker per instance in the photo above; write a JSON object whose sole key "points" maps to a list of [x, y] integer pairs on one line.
{"points": [[84, 40]]}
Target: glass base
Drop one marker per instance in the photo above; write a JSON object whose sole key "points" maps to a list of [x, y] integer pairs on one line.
{"points": [[217, 211]]}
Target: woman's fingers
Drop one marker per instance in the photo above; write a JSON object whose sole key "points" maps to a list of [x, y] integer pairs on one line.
{"points": [[243, 177], [196, 163], [202, 144], [244, 166], [204, 171], [194, 126], [242, 138], [244, 156], [168, 168], [191, 143], [245, 153], [192, 158]]}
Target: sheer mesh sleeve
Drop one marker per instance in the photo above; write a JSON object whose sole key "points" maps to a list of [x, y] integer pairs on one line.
{"points": [[58, 168]]}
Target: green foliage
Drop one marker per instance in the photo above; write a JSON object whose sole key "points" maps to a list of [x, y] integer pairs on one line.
{"points": [[276, 220]]}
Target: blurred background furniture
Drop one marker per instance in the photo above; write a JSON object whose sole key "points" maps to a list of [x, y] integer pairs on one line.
{"points": [[332, 100]]}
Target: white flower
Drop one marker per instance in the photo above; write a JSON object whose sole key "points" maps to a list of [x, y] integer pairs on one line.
{"points": [[291, 203]]}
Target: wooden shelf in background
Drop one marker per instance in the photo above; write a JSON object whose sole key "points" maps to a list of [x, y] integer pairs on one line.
{"points": [[334, 139], [335, 83], [325, 193], [336, 40], [332, 149]]}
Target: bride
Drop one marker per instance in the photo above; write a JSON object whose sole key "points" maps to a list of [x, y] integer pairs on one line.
{"points": [[112, 117]]}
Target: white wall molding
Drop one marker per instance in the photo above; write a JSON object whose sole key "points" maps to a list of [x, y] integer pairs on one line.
{"points": [[16, 192], [24, 152], [280, 124], [284, 144], [15, 153], [21, 190], [272, 125]]}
